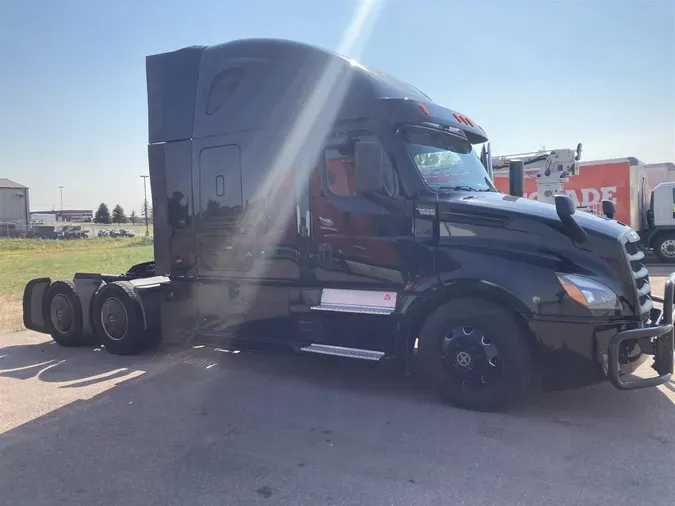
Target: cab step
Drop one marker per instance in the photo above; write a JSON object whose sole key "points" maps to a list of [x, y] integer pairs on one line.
{"points": [[339, 351], [356, 301], [351, 308]]}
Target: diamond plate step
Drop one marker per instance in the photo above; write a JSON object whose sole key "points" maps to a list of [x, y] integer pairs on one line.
{"points": [[344, 308], [340, 351]]}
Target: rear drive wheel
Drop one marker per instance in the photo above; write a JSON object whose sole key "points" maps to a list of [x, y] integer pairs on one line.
{"points": [[665, 247], [118, 318], [62, 311], [475, 355]]}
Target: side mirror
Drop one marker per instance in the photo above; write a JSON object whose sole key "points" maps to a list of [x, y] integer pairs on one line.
{"points": [[564, 206], [369, 167], [608, 209]]}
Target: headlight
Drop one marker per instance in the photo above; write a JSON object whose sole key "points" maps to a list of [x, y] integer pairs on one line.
{"points": [[589, 293]]}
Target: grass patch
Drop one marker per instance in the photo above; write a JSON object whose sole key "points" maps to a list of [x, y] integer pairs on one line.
{"points": [[23, 260], [51, 246]]}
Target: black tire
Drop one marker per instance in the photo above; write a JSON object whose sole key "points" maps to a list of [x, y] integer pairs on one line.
{"points": [[62, 311], [499, 372], [118, 318], [664, 247]]}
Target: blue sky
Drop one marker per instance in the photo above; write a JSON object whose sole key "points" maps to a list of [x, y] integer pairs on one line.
{"points": [[532, 73]]}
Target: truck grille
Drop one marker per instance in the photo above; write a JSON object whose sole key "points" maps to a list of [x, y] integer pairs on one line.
{"points": [[635, 258]]}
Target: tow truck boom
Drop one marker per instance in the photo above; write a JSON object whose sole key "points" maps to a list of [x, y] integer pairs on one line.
{"points": [[554, 169]]}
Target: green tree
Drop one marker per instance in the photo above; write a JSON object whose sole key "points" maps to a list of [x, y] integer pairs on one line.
{"points": [[102, 214], [133, 218], [118, 215]]}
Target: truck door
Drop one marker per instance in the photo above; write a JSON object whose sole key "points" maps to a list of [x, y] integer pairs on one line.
{"points": [[246, 238], [358, 244]]}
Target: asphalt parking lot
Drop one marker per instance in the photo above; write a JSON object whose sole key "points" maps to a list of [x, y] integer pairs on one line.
{"points": [[202, 426]]}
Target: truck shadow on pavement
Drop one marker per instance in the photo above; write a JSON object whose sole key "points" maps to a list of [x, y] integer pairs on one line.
{"points": [[70, 367], [86, 366], [200, 424]]}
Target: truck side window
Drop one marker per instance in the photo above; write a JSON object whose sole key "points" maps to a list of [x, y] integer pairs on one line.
{"points": [[340, 174], [222, 88]]}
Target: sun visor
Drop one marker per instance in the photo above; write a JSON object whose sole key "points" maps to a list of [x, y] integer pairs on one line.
{"points": [[411, 111]]}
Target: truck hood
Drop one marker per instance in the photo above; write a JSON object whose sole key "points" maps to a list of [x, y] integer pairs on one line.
{"points": [[504, 206]]}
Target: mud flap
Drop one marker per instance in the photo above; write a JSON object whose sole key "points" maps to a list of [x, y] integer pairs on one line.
{"points": [[152, 296], [86, 289], [33, 295]]}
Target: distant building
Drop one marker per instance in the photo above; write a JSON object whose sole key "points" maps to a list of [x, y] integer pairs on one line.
{"points": [[14, 207], [41, 218], [71, 215]]}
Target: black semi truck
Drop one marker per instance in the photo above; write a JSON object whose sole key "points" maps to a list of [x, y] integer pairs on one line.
{"points": [[296, 202]]}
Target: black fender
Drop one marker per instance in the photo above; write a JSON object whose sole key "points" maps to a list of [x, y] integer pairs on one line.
{"points": [[485, 289], [148, 292], [417, 302], [498, 294], [33, 296], [416, 308], [142, 270]]}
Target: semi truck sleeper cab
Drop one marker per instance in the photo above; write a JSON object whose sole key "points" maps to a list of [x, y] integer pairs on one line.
{"points": [[302, 199]]}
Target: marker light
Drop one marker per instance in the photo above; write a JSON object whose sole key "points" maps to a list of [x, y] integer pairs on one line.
{"points": [[462, 119], [424, 109]]}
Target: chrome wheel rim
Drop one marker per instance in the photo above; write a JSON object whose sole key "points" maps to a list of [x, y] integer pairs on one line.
{"points": [[668, 248], [114, 319], [61, 313], [470, 357]]}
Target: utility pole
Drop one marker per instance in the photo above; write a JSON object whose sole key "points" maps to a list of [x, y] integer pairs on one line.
{"points": [[145, 204], [61, 191]]}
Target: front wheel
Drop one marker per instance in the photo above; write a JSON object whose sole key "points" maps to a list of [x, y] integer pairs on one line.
{"points": [[665, 247], [475, 355]]}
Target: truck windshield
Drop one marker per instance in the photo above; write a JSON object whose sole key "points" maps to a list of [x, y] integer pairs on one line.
{"points": [[445, 161]]}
